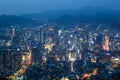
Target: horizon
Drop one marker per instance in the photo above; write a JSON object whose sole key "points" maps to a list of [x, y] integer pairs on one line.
{"points": [[82, 8], [14, 7]]}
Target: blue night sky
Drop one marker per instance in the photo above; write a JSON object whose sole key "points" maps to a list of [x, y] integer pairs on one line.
{"points": [[36, 6]]}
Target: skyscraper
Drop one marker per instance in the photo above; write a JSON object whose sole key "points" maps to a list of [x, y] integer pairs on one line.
{"points": [[105, 42]]}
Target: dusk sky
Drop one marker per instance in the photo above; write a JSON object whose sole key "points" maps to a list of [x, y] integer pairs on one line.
{"points": [[36, 6]]}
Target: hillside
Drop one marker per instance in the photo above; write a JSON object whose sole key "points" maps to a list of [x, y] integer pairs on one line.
{"points": [[8, 20]]}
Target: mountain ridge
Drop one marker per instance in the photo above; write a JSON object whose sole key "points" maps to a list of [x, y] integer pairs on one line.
{"points": [[65, 17]]}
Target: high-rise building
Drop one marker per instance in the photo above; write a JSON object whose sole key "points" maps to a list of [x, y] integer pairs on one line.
{"points": [[35, 56], [105, 42], [10, 60]]}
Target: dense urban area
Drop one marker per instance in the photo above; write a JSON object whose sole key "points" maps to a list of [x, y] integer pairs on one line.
{"points": [[52, 51]]}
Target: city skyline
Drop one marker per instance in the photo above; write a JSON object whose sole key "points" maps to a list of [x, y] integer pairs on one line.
{"points": [[59, 40]]}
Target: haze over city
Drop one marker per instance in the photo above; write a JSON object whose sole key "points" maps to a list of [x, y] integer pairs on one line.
{"points": [[18, 7]]}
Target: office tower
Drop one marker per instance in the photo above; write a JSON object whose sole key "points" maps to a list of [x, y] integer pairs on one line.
{"points": [[105, 42]]}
